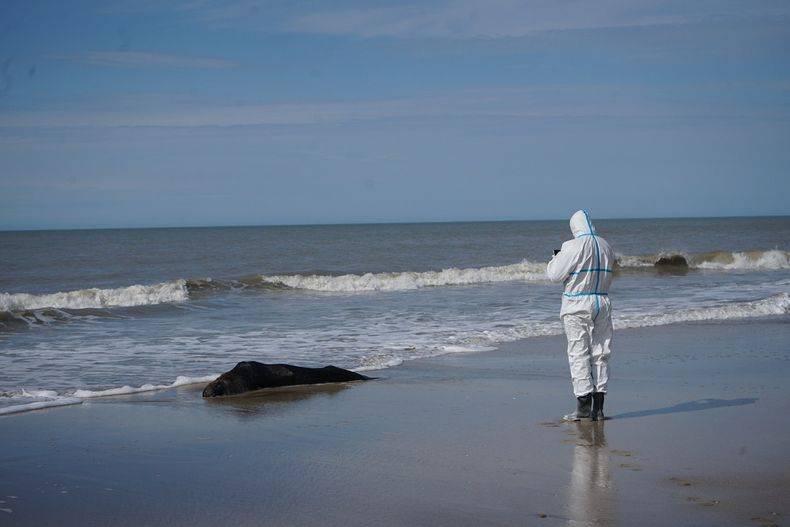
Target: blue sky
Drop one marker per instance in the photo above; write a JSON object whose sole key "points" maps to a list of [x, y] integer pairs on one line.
{"points": [[222, 112]]}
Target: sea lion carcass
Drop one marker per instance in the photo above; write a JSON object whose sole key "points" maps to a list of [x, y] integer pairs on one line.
{"points": [[250, 375]]}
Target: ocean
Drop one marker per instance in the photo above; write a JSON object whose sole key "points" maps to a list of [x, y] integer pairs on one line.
{"points": [[91, 313]]}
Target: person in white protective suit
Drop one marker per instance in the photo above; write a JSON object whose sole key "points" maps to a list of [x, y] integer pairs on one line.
{"points": [[585, 265]]}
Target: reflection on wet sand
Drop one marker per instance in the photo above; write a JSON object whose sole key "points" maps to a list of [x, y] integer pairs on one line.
{"points": [[274, 400], [591, 499]]}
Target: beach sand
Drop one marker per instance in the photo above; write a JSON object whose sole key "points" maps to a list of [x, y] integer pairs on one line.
{"points": [[699, 435]]}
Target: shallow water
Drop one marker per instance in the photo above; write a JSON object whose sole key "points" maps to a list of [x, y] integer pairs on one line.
{"points": [[87, 311]]}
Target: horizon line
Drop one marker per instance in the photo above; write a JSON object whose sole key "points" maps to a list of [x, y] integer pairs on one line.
{"points": [[369, 223]]}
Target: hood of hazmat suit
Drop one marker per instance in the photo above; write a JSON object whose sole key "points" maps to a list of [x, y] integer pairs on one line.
{"points": [[581, 224]]}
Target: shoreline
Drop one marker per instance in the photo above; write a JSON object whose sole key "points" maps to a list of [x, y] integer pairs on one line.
{"points": [[764, 308], [697, 435]]}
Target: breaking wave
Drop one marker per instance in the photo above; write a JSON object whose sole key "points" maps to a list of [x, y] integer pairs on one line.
{"points": [[135, 295], [200, 285], [774, 259], [27, 309], [525, 271]]}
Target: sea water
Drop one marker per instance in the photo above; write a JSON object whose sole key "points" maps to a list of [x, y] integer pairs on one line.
{"points": [[90, 313]]}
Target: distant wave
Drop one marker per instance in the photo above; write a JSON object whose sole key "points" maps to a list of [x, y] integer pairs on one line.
{"points": [[717, 260], [523, 271], [774, 259], [27, 309], [402, 281], [198, 285], [135, 295]]}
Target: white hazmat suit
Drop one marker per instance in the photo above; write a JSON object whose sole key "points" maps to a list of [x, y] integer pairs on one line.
{"points": [[585, 265]]}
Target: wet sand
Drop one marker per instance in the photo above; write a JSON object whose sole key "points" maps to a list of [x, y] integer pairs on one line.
{"points": [[699, 435]]}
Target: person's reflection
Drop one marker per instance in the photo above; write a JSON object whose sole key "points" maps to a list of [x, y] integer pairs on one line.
{"points": [[590, 501]]}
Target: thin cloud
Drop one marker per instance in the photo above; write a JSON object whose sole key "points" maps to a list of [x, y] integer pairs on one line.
{"points": [[512, 18], [550, 102], [459, 19], [138, 59]]}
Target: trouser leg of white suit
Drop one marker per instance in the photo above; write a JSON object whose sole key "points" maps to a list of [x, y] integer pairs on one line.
{"points": [[578, 329], [601, 342]]}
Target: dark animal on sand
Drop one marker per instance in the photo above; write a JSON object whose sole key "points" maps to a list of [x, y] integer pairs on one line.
{"points": [[250, 375]]}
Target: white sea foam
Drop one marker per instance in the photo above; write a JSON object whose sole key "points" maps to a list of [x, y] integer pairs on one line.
{"points": [[126, 390], [38, 405], [51, 398], [719, 260], [44, 394], [773, 305], [747, 260], [477, 340], [135, 295], [31, 305], [379, 363], [525, 271], [456, 348], [392, 354], [625, 260]]}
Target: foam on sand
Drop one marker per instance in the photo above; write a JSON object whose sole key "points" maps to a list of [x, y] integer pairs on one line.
{"points": [[51, 398], [181, 380], [40, 405]]}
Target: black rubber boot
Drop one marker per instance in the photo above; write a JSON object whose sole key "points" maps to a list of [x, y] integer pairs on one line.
{"points": [[583, 409], [597, 410]]}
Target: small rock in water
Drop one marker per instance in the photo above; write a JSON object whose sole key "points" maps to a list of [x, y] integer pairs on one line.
{"points": [[674, 260]]}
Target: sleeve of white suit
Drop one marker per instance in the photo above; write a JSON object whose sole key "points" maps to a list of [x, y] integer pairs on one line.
{"points": [[562, 264]]}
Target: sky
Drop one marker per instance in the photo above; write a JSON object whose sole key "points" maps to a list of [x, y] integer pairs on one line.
{"points": [[121, 113]]}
